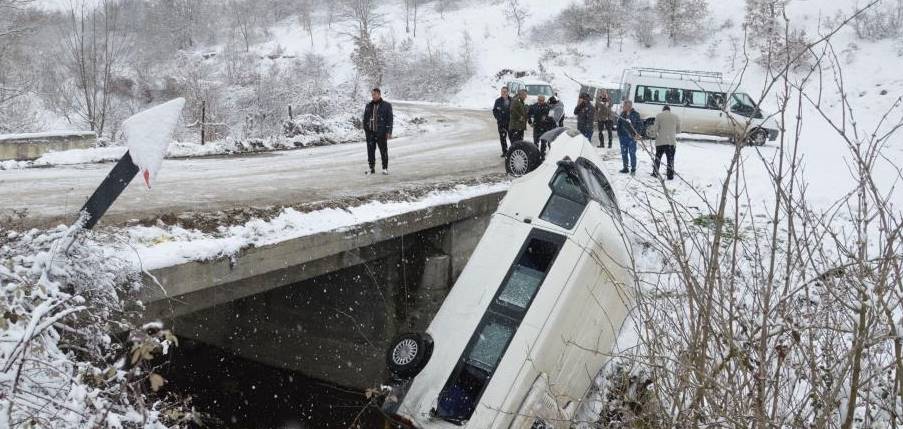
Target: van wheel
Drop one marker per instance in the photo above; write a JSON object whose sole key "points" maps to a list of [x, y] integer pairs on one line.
{"points": [[758, 137], [649, 129], [408, 354], [522, 158]]}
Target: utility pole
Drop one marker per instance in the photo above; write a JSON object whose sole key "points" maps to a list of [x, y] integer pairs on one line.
{"points": [[203, 121]]}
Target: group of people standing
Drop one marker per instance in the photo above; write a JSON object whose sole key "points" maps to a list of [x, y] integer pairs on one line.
{"points": [[513, 115]]}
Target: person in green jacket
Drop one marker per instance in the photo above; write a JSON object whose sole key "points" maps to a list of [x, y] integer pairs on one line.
{"points": [[518, 122]]}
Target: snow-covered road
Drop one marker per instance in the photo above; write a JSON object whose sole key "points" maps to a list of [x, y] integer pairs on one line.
{"points": [[467, 148]]}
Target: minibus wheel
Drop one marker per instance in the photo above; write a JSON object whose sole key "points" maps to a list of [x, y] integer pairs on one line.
{"points": [[758, 137], [522, 158], [408, 354], [649, 128]]}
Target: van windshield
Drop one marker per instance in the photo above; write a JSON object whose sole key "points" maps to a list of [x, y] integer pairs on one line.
{"points": [[540, 90], [743, 104]]}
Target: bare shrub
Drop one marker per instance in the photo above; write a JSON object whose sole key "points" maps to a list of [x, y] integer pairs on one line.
{"points": [[780, 312]]}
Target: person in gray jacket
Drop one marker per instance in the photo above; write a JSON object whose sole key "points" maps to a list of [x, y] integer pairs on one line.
{"points": [[667, 126]]}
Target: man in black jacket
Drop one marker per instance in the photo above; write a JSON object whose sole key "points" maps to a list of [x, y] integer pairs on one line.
{"points": [[378, 128], [502, 112], [538, 117], [585, 114]]}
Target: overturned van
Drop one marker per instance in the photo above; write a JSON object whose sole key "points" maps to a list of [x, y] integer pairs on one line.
{"points": [[529, 322]]}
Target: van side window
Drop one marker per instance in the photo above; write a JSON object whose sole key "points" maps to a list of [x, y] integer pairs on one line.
{"points": [[479, 360], [716, 100], [567, 201], [695, 98]]}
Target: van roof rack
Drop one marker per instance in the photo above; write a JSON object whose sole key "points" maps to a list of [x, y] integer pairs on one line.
{"points": [[694, 75]]}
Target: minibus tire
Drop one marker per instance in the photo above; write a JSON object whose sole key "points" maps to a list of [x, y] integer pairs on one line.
{"points": [[522, 158], [758, 137], [649, 129], [408, 354]]}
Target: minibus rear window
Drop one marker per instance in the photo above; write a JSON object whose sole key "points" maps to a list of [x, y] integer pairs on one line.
{"points": [[488, 343]]}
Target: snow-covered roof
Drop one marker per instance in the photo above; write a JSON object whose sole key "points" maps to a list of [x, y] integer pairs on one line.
{"points": [[599, 83], [531, 82]]}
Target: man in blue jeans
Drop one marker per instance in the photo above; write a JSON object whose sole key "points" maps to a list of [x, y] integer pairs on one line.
{"points": [[630, 125]]}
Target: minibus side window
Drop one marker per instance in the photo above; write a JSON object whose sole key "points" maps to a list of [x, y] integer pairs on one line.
{"points": [[567, 201], [479, 360], [695, 98]]}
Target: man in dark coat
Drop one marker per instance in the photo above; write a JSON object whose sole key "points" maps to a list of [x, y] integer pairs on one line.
{"points": [[630, 127], [502, 112], [517, 124], [378, 129], [585, 114], [603, 117], [538, 117]]}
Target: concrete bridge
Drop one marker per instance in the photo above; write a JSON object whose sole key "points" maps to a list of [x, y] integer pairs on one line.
{"points": [[325, 305], [22, 147]]}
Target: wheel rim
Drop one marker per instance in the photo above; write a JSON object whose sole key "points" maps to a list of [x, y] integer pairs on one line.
{"points": [[650, 131], [759, 138], [518, 162], [405, 351]]}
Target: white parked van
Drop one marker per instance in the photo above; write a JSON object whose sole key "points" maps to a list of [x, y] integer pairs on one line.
{"points": [[595, 87], [534, 88], [705, 103], [528, 324]]}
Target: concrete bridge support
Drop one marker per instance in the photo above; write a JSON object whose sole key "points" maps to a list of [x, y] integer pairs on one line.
{"points": [[327, 314]]}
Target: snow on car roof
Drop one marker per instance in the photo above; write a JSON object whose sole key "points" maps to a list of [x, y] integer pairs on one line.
{"points": [[598, 83], [532, 82]]}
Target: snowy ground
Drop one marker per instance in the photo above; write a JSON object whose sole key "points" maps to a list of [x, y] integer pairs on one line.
{"points": [[468, 148], [337, 130]]}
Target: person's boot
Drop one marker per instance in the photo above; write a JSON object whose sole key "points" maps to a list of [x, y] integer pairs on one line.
{"points": [[624, 170], [386, 171], [633, 172], [369, 172]]}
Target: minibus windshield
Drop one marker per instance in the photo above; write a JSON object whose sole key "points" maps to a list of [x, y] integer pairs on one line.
{"points": [[540, 90], [743, 104]]}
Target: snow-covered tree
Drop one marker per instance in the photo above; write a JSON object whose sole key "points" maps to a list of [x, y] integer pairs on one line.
{"points": [[305, 12], [768, 32], [516, 12], [609, 16], [763, 22], [93, 48], [362, 19], [682, 20]]}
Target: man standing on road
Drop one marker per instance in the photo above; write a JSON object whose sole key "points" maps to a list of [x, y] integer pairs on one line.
{"points": [[518, 122], [603, 117], [629, 127], [538, 117], [667, 126], [585, 115], [378, 129], [502, 112]]}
